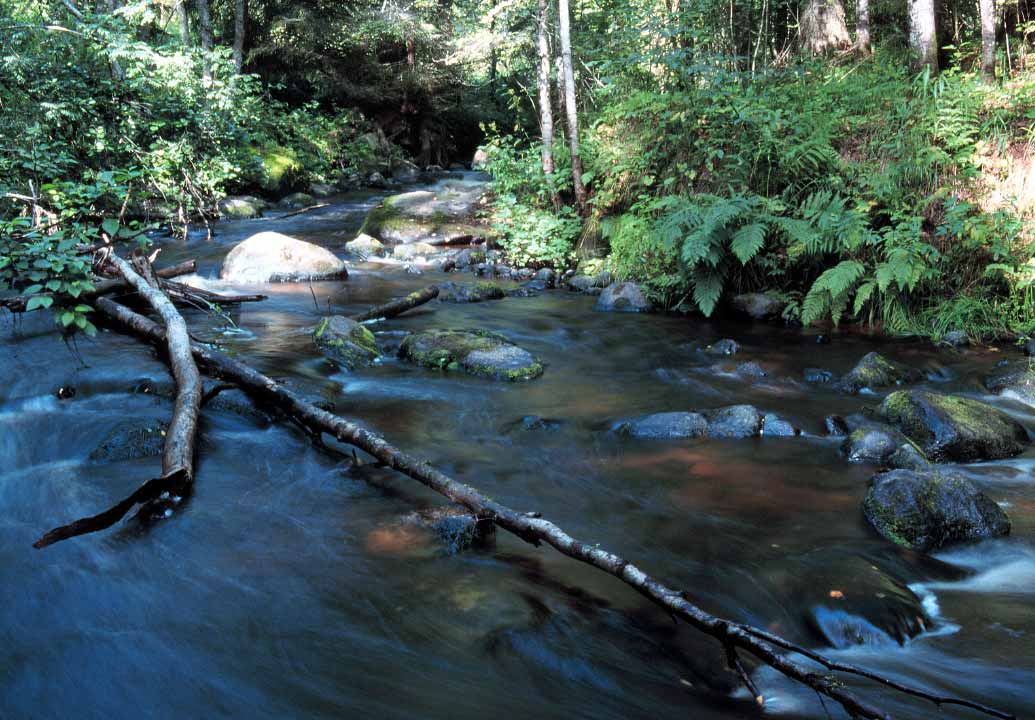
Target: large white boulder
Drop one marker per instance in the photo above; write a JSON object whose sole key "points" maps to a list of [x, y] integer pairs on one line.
{"points": [[273, 257]]}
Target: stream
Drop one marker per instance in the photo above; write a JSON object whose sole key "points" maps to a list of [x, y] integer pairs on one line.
{"points": [[287, 587]]}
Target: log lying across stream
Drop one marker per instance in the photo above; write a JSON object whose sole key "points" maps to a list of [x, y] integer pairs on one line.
{"points": [[181, 438], [533, 528]]}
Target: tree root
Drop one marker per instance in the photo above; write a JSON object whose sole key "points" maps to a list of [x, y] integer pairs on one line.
{"points": [[534, 529]]}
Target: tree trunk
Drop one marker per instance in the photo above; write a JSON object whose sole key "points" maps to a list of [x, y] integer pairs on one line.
{"points": [[571, 109], [545, 101], [240, 21], [205, 34], [181, 16], [862, 27], [923, 33], [823, 28], [987, 39]]}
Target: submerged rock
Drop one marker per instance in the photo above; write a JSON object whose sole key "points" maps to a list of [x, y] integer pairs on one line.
{"points": [[365, 246], [751, 369], [759, 306], [954, 428], [928, 510], [623, 297], [664, 425], [345, 341], [533, 423], [458, 528], [272, 257], [132, 439], [241, 207], [726, 346], [476, 352], [818, 375], [875, 371], [849, 600], [470, 292]]}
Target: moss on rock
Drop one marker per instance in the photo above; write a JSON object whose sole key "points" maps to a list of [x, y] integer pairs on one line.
{"points": [[876, 371], [345, 341], [953, 428], [928, 510], [476, 352]]}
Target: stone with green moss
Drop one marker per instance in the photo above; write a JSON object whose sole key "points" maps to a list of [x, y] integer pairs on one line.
{"points": [[441, 216], [470, 292], [928, 510], [876, 371], [346, 342], [952, 428], [476, 352], [242, 207], [281, 168], [296, 200]]}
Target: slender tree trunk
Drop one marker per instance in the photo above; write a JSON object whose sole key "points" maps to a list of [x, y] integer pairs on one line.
{"points": [[987, 39], [862, 27], [923, 33], [240, 22], [545, 99], [205, 33], [571, 109], [181, 16]]}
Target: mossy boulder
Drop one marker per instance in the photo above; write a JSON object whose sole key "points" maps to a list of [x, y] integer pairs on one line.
{"points": [[412, 251], [241, 207], [442, 216], [296, 200], [345, 341], [928, 510], [1016, 380], [759, 306], [273, 257], [476, 352], [280, 169], [132, 439], [876, 371], [952, 428], [470, 292], [663, 425], [623, 297], [365, 246]]}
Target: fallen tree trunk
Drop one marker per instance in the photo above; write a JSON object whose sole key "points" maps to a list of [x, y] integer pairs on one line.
{"points": [[535, 529], [18, 303], [191, 293], [399, 305], [180, 439]]}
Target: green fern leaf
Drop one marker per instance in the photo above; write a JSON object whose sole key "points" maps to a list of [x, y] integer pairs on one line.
{"points": [[748, 241]]}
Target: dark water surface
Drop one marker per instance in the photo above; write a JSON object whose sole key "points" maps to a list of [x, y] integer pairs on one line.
{"points": [[285, 588]]}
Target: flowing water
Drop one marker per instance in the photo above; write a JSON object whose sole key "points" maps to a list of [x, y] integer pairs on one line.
{"points": [[286, 587]]}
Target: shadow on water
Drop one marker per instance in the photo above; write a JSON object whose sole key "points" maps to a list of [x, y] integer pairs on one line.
{"points": [[286, 589]]}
